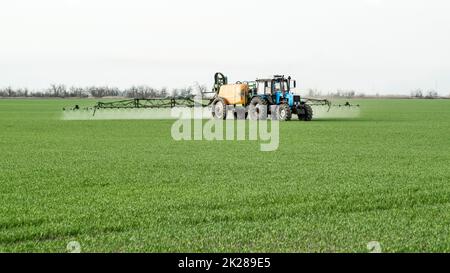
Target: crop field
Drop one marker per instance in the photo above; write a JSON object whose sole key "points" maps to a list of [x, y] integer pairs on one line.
{"points": [[333, 185]]}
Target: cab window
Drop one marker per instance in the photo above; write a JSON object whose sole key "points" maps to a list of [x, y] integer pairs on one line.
{"points": [[280, 86]]}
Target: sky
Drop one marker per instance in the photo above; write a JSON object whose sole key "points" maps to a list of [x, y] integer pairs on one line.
{"points": [[371, 46]]}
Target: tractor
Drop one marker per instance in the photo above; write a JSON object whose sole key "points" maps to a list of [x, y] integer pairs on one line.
{"points": [[258, 99]]}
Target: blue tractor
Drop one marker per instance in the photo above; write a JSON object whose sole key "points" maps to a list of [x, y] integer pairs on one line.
{"points": [[275, 95]]}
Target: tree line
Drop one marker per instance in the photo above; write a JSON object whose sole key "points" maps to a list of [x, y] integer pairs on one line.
{"points": [[416, 93], [421, 94], [143, 91], [62, 91]]}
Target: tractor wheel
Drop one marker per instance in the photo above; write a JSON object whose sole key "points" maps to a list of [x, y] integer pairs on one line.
{"points": [[219, 109], [284, 112], [305, 112], [257, 109], [240, 113]]}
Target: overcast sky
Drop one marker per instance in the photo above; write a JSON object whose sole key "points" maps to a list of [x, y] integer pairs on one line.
{"points": [[367, 45]]}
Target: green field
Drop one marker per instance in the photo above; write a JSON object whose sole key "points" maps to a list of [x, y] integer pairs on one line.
{"points": [[333, 185]]}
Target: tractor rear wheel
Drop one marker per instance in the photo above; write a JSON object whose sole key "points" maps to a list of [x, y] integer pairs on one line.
{"points": [[305, 112], [284, 112], [257, 109], [219, 109]]}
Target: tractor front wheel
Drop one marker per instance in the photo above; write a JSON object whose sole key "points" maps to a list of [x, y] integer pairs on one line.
{"points": [[257, 109], [284, 112], [305, 112], [219, 109]]}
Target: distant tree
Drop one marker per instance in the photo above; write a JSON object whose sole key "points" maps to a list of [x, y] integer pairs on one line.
{"points": [[314, 92], [344, 93], [198, 89], [417, 93], [20, 92], [175, 92], [103, 91], [431, 94], [153, 93], [60, 90], [163, 92], [203, 88], [9, 91], [57, 90], [141, 91], [131, 92], [186, 92], [78, 92]]}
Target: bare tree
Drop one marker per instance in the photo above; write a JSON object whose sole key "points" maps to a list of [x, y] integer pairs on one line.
{"points": [[203, 88], [431, 94], [314, 92], [417, 93], [60, 90], [175, 92], [344, 94], [9, 91], [163, 92], [198, 89], [186, 92], [57, 90], [78, 92]]}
